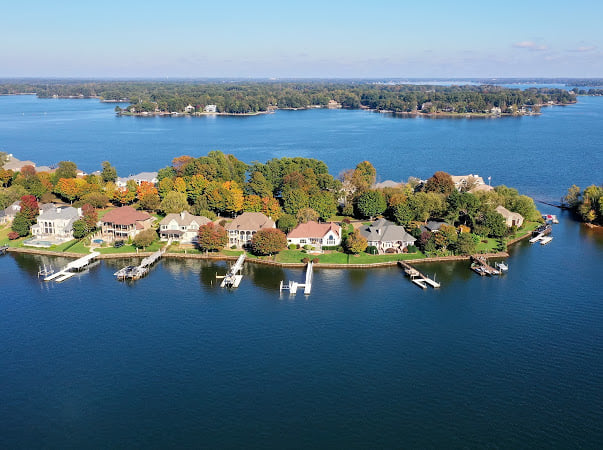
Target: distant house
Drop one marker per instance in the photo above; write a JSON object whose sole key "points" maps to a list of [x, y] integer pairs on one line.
{"points": [[242, 229], [181, 227], [387, 184], [55, 223], [150, 177], [189, 108], [496, 111], [8, 214], [123, 223], [433, 226], [14, 164], [315, 234], [210, 109], [511, 218], [467, 182], [333, 104], [385, 235]]}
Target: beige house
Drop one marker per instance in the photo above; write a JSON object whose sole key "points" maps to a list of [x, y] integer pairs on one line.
{"points": [[242, 229], [123, 223], [181, 227], [511, 218]]}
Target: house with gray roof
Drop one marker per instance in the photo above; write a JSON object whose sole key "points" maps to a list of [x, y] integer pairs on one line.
{"points": [[8, 214], [56, 224], [181, 227], [433, 226], [386, 235]]}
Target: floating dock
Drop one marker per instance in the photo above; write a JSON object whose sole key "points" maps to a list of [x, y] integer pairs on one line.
{"points": [[68, 271], [139, 271], [481, 267], [233, 278], [293, 286], [417, 277], [546, 240]]}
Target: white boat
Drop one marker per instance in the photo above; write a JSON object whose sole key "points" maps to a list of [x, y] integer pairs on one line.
{"points": [[501, 266]]}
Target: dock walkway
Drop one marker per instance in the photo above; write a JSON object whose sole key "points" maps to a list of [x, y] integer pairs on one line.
{"points": [[137, 272], [417, 277], [233, 277], [293, 286], [68, 271], [481, 267]]}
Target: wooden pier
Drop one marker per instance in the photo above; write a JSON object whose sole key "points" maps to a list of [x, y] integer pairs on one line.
{"points": [[481, 267], [233, 278], [293, 286], [137, 272], [417, 277], [72, 268]]}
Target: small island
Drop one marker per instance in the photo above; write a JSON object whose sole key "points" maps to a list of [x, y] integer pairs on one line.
{"points": [[283, 211]]}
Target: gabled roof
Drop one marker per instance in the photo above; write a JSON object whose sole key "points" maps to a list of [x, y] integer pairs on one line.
{"points": [[385, 231], [313, 229], [506, 213], [250, 221], [66, 213], [184, 219], [126, 215]]}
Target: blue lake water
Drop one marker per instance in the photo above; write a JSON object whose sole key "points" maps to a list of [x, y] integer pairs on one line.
{"points": [[367, 360]]}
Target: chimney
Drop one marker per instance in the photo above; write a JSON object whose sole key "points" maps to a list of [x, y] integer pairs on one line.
{"points": [[182, 215]]}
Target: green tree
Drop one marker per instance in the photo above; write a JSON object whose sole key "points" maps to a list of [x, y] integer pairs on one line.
{"points": [[66, 169], [294, 200], [211, 237], [286, 223], [258, 185], [268, 241], [21, 224], [324, 204], [572, 198], [80, 229], [370, 204], [495, 223], [355, 243], [174, 202], [364, 176], [89, 216], [402, 214], [306, 215], [466, 244], [108, 173], [144, 238]]}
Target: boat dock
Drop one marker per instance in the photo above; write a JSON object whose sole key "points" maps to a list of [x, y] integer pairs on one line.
{"points": [[233, 277], [417, 277], [3, 249], [137, 272], [72, 268], [481, 267], [293, 286]]}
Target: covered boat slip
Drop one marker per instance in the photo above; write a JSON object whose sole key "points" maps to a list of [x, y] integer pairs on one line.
{"points": [[71, 268]]}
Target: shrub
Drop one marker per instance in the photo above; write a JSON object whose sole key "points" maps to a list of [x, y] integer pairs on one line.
{"points": [[346, 220], [292, 246], [390, 250], [233, 247], [308, 247], [305, 260], [412, 249], [314, 260], [371, 250], [13, 235], [144, 238]]}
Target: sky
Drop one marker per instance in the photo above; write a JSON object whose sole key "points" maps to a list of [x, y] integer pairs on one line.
{"points": [[314, 39]]}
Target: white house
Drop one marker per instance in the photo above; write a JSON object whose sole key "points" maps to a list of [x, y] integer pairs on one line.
{"points": [[56, 224], [315, 234], [181, 227], [210, 109], [150, 177], [189, 108], [242, 229]]}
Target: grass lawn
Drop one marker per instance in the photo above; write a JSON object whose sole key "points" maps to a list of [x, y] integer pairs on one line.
{"points": [[129, 248], [490, 246], [295, 256], [527, 227], [102, 212], [65, 246], [4, 240]]}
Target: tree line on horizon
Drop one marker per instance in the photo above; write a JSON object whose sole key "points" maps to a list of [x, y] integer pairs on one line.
{"points": [[257, 96]]}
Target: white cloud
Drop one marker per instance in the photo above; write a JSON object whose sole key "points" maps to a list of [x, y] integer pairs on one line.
{"points": [[583, 49], [530, 45]]}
